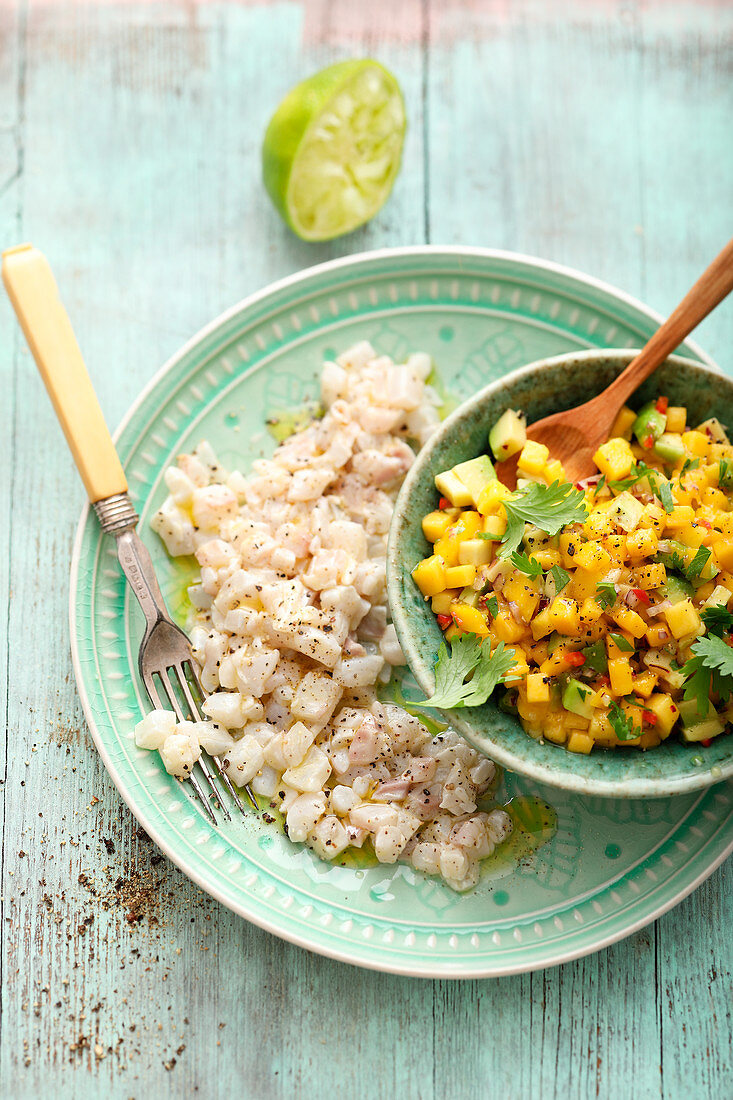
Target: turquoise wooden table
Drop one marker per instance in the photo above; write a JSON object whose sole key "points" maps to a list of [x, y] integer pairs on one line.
{"points": [[593, 134]]}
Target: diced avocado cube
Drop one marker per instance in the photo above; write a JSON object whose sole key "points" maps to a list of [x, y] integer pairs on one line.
{"points": [[676, 589], [475, 475], [577, 697], [699, 727], [508, 435], [596, 657], [649, 422], [714, 430], [669, 447]]}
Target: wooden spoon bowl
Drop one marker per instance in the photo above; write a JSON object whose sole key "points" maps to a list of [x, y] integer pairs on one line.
{"points": [[574, 436]]}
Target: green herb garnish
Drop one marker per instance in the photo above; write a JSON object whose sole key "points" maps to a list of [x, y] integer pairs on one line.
{"points": [[560, 577], [698, 563], [548, 507], [622, 725], [689, 464], [665, 495], [466, 675], [606, 594], [710, 669], [725, 473], [525, 564], [718, 620], [491, 604], [621, 643]]}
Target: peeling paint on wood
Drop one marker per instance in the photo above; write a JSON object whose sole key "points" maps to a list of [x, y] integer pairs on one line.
{"points": [[594, 134]]}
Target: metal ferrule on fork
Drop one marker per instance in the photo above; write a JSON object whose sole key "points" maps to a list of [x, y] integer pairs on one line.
{"points": [[116, 513]]}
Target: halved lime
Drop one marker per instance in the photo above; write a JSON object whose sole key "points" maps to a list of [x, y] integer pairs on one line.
{"points": [[332, 149]]}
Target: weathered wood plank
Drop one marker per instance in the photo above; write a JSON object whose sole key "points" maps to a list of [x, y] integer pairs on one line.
{"points": [[548, 131]]}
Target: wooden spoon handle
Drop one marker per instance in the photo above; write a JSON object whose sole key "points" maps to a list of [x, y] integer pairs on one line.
{"points": [[715, 283]]}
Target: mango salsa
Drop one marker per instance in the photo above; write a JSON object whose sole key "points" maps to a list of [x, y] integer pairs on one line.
{"points": [[601, 614]]}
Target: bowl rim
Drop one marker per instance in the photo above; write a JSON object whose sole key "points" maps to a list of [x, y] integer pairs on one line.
{"points": [[628, 787]]}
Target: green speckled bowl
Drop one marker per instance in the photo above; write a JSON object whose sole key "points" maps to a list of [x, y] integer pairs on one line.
{"points": [[540, 389]]}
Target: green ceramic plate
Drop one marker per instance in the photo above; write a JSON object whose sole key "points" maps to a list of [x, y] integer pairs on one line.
{"points": [[608, 866], [564, 381]]}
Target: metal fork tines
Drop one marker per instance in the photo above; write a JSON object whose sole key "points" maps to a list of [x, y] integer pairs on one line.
{"points": [[165, 661]]}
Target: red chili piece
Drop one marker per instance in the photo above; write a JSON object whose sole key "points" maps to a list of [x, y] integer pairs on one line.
{"points": [[662, 404], [650, 717], [575, 660], [707, 742], [444, 621], [648, 442], [642, 595], [444, 503]]}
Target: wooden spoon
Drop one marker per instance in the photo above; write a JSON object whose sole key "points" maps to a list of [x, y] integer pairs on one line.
{"points": [[575, 435]]}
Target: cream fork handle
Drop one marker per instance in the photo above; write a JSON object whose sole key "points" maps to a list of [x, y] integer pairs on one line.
{"points": [[33, 292]]}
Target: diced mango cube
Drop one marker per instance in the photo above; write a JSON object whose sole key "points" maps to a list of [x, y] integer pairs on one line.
{"points": [[676, 418], [459, 576], [680, 516], [650, 576], [666, 710], [533, 457], [580, 742], [553, 729], [657, 636], [466, 526], [435, 525], [629, 620], [554, 471], [564, 615], [469, 619], [569, 546], [541, 624], [598, 523], [644, 684], [491, 498], [538, 688], [622, 681], [723, 553], [505, 628], [446, 549], [622, 424], [641, 543], [429, 576], [697, 443], [683, 618], [614, 458], [594, 557], [495, 525]]}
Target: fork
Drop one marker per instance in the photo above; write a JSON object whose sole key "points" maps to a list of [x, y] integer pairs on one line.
{"points": [[166, 663]]}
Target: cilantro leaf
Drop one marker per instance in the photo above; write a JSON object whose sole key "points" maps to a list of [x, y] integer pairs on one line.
{"points": [[527, 565], [698, 563], [665, 495], [548, 507], [606, 594], [560, 577], [622, 725], [718, 620], [621, 643], [697, 685], [491, 604], [725, 473], [600, 483], [487, 537], [689, 464], [710, 669], [466, 675]]}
